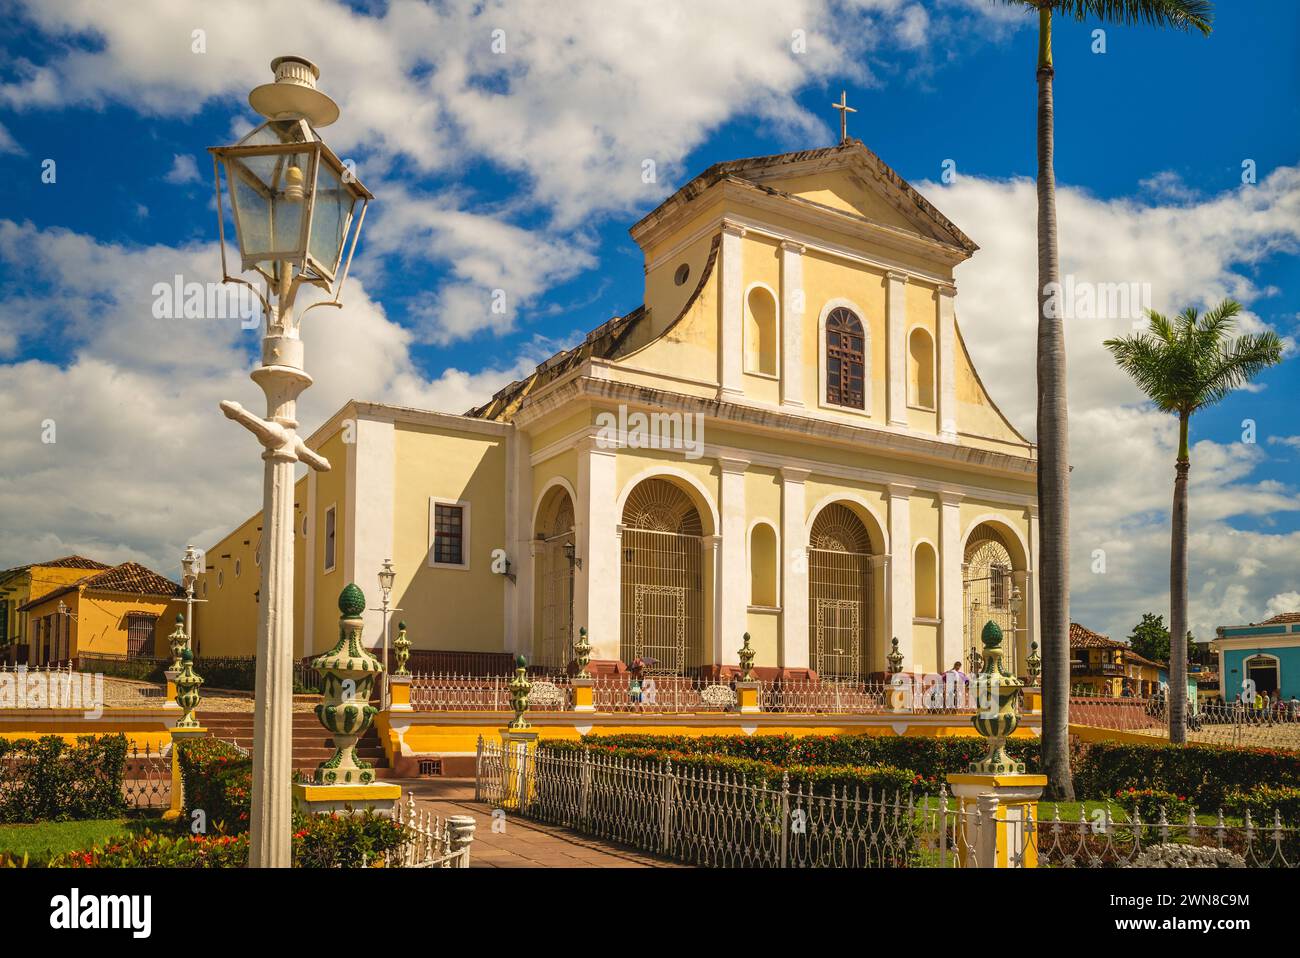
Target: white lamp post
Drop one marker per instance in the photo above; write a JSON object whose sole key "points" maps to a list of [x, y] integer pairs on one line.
{"points": [[191, 566], [387, 576], [294, 205]]}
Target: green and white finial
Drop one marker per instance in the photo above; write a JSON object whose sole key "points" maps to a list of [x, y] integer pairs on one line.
{"points": [[352, 601]]}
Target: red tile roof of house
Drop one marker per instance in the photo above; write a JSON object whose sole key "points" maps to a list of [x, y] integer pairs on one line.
{"points": [[134, 578], [1282, 618], [1082, 637], [73, 562]]}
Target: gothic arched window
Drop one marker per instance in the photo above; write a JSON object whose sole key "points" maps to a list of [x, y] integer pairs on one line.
{"points": [[844, 359]]}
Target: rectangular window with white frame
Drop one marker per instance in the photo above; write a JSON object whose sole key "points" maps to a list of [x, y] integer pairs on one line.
{"points": [[448, 533], [331, 538]]}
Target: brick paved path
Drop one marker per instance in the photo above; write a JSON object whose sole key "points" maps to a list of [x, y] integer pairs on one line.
{"points": [[523, 844]]}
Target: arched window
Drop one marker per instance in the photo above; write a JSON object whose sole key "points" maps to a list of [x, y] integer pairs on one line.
{"points": [[925, 581], [760, 331], [920, 369], [762, 566], [844, 359]]}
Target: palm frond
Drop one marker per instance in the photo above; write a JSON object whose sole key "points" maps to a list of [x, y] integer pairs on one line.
{"points": [[1237, 363], [1175, 14]]}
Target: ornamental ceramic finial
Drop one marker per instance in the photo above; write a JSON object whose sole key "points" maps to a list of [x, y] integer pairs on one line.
{"points": [[996, 724], [187, 691], [352, 601], [519, 689]]}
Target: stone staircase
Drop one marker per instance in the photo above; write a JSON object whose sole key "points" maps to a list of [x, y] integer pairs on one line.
{"points": [[311, 743]]}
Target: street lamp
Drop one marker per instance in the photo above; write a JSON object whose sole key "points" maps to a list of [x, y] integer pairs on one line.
{"points": [[191, 566], [296, 207], [387, 575]]}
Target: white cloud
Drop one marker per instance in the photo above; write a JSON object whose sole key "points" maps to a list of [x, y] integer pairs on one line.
{"points": [[1123, 451], [1282, 602], [184, 170], [121, 480], [7, 143]]}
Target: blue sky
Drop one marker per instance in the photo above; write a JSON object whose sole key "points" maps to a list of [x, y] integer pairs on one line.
{"points": [[522, 172]]}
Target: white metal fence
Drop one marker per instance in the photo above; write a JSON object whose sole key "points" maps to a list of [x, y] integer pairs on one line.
{"points": [[1234, 724], [433, 842], [715, 820]]}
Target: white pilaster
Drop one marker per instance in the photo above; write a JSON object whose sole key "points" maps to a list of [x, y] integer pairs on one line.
{"points": [[596, 583], [896, 356], [794, 569], [793, 308], [901, 597], [518, 612], [733, 591], [372, 465], [950, 578], [947, 322], [1030, 588], [731, 354], [309, 571], [711, 559]]}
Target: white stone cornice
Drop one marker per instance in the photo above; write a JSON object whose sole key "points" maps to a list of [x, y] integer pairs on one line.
{"points": [[794, 473], [897, 275], [791, 246], [950, 497], [900, 490], [729, 464], [945, 289], [732, 228]]}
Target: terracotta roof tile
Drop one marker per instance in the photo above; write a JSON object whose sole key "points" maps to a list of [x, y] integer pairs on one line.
{"points": [[73, 562], [1082, 637], [134, 578], [1285, 617]]}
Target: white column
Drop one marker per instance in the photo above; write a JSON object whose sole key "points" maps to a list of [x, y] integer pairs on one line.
{"points": [[596, 583], [518, 611], [309, 573], [733, 591], [793, 309], [711, 559], [372, 469], [896, 356], [1031, 585], [731, 351], [947, 323], [794, 570], [901, 596], [950, 578]]}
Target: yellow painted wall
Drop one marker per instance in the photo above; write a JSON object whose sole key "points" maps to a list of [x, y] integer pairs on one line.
{"points": [[449, 608], [98, 625]]}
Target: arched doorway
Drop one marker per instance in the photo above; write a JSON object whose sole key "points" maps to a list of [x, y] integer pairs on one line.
{"points": [[554, 535], [841, 589], [662, 619], [993, 584], [1262, 671]]}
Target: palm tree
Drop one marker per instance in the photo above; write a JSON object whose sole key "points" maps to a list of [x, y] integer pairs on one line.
{"points": [[1184, 365], [1053, 434]]}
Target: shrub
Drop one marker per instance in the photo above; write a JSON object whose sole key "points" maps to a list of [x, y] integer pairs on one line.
{"points": [[1149, 801], [319, 841], [47, 779], [218, 780], [1261, 801]]}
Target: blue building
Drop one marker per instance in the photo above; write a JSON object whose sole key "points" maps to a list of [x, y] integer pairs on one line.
{"points": [[1266, 654]]}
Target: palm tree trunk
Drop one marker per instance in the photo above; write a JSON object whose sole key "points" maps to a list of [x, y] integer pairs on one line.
{"points": [[1053, 453], [1178, 593]]}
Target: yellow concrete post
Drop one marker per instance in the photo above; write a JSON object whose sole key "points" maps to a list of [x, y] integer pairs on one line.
{"points": [[179, 735], [517, 746], [747, 698], [1006, 810], [399, 693], [583, 696]]}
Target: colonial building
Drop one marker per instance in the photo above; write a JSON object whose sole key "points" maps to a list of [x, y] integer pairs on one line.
{"points": [[1261, 657], [126, 611], [1101, 666], [20, 585], [788, 438]]}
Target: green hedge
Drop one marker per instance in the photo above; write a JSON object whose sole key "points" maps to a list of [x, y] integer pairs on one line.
{"points": [[46, 779], [1261, 801], [929, 758], [1204, 775], [819, 779]]}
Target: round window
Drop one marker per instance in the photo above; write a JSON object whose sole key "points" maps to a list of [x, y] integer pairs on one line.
{"points": [[221, 578], [236, 568], [682, 275]]}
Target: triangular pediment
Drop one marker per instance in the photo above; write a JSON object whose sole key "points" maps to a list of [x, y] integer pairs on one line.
{"points": [[847, 179], [850, 178]]}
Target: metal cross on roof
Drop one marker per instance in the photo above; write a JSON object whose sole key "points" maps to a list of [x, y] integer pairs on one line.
{"points": [[845, 110]]}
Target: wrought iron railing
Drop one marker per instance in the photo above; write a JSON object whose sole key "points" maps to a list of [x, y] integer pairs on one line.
{"points": [[712, 819]]}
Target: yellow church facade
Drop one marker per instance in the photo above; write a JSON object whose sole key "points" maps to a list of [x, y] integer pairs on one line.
{"points": [[787, 439]]}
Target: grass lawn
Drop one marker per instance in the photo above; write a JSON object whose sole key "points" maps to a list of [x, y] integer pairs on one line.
{"points": [[42, 840]]}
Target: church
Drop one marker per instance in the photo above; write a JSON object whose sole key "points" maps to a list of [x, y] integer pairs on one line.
{"points": [[786, 439]]}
